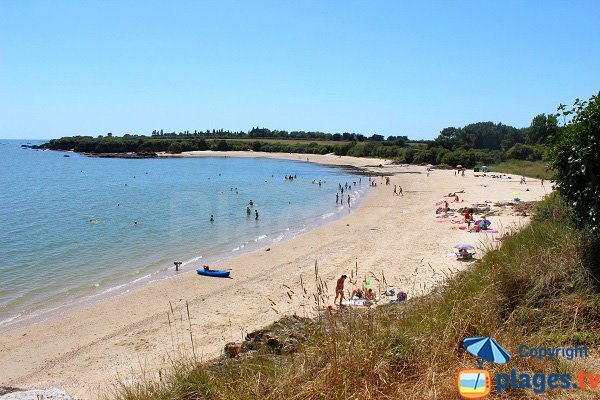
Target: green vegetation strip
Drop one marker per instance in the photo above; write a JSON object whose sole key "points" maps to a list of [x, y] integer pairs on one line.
{"points": [[532, 169]]}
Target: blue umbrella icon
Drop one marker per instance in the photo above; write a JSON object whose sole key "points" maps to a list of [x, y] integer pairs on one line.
{"points": [[487, 349]]}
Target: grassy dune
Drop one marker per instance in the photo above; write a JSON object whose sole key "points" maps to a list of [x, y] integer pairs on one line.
{"points": [[540, 288], [532, 169]]}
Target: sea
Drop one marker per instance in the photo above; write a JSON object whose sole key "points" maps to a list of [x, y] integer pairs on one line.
{"points": [[76, 229]]}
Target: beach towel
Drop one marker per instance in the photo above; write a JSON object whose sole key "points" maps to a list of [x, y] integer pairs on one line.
{"points": [[357, 302]]}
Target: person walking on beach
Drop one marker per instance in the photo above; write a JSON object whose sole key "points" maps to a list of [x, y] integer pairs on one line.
{"points": [[400, 191], [339, 289], [395, 191]]}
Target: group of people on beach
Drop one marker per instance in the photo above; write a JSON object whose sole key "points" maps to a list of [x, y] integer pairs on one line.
{"points": [[361, 293]]}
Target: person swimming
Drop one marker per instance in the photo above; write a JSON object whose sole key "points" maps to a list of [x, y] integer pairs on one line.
{"points": [[251, 203], [212, 218], [248, 211]]}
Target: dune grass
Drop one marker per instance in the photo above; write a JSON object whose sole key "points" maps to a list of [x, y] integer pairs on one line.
{"points": [[540, 288], [531, 169]]}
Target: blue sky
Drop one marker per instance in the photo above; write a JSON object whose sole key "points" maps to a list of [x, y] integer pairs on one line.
{"points": [[386, 67]]}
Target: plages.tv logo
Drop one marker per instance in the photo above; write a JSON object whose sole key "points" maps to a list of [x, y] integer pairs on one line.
{"points": [[475, 384]]}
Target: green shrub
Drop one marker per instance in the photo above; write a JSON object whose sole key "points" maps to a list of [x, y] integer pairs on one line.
{"points": [[574, 154]]}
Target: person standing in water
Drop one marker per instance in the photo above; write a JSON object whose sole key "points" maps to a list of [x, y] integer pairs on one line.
{"points": [[177, 265], [348, 200], [256, 215], [248, 211], [337, 197], [212, 219]]}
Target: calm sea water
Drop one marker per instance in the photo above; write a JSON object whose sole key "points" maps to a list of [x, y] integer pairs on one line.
{"points": [[79, 228]]}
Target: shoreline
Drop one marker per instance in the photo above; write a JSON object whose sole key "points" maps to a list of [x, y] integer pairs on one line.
{"points": [[88, 350], [220, 256]]}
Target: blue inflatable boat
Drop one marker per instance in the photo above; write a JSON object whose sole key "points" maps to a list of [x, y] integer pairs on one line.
{"points": [[214, 273]]}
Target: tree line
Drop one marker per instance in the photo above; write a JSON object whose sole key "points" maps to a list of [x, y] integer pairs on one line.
{"points": [[265, 133], [477, 143]]}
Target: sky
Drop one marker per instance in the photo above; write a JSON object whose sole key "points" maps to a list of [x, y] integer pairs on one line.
{"points": [[370, 67]]}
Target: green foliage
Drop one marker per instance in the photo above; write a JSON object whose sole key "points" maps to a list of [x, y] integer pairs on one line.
{"points": [[521, 152], [541, 127], [574, 154], [481, 135]]}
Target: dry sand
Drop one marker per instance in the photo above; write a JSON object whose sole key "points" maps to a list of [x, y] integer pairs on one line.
{"points": [[89, 349]]}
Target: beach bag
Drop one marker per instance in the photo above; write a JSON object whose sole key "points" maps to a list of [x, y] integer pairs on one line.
{"points": [[401, 297]]}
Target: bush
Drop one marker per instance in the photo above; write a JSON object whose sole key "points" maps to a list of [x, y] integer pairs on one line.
{"points": [[574, 155], [175, 148], [526, 152]]}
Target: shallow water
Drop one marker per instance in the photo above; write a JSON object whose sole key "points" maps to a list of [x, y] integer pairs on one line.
{"points": [[78, 228]]}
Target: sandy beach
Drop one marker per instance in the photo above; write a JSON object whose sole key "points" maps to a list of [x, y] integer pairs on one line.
{"points": [[400, 237]]}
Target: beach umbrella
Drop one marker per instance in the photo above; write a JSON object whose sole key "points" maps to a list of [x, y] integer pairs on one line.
{"points": [[429, 165], [485, 168], [486, 349], [466, 246], [459, 166], [482, 221]]}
